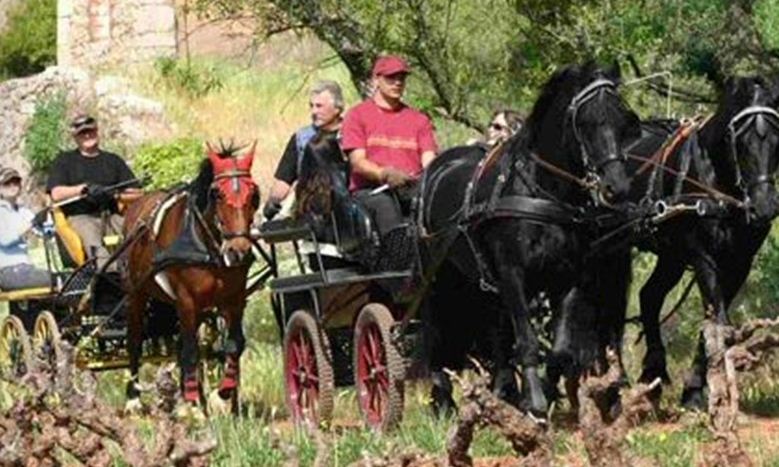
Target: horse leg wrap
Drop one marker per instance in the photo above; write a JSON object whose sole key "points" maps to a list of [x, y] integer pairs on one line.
{"points": [[229, 382], [191, 390]]}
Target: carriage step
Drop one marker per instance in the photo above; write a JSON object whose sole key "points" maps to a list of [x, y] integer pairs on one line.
{"points": [[331, 277], [109, 334], [285, 230]]}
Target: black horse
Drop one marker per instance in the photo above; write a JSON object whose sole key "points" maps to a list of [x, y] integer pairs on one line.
{"points": [[717, 186], [517, 227], [737, 156]]}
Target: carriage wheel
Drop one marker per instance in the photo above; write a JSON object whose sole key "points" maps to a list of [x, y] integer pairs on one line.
{"points": [[15, 349], [47, 340], [212, 337], [378, 369], [308, 371]]}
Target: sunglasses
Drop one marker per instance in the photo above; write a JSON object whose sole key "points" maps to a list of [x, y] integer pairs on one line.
{"points": [[86, 133], [498, 127]]}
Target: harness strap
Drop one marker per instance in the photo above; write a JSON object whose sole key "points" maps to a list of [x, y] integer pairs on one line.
{"points": [[669, 146], [587, 184], [526, 207]]}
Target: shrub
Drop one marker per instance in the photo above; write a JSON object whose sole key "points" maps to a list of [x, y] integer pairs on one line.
{"points": [[190, 78], [47, 134], [29, 43], [169, 163]]}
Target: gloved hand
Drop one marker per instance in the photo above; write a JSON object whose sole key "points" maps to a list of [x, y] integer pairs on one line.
{"points": [[40, 218], [394, 177], [96, 193], [272, 207]]}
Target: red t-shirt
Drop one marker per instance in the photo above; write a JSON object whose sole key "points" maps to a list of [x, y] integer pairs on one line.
{"points": [[391, 138]]}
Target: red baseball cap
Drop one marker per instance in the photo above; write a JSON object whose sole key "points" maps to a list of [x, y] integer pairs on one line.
{"points": [[387, 65]]}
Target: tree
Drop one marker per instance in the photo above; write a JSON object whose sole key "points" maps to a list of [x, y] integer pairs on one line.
{"points": [[471, 56], [29, 43]]}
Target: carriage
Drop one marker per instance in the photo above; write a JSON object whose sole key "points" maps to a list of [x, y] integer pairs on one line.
{"points": [[85, 306], [349, 316]]}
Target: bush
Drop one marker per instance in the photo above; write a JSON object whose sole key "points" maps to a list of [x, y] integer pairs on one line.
{"points": [[47, 134], [169, 163], [189, 78], [29, 43]]}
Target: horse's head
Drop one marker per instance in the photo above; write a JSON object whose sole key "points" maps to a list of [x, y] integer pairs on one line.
{"points": [[752, 140], [581, 114], [233, 199], [323, 170]]}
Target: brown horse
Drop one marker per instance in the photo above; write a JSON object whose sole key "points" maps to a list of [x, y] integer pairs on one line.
{"points": [[191, 248]]}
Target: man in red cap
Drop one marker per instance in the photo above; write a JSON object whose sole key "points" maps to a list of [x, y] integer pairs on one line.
{"points": [[388, 143]]}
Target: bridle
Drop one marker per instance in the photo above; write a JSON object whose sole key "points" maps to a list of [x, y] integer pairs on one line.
{"points": [[235, 176], [584, 96], [736, 127]]}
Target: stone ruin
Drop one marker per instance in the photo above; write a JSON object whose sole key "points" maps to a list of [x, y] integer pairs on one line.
{"points": [[96, 32]]}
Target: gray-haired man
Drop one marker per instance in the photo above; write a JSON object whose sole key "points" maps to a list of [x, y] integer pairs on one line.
{"points": [[326, 103]]}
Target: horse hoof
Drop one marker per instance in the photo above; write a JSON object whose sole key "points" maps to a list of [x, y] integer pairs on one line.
{"points": [[694, 399], [218, 405], [534, 401], [133, 406], [189, 413], [442, 405], [227, 388]]}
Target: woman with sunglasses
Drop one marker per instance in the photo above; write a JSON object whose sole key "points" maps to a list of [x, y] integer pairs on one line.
{"points": [[503, 124]]}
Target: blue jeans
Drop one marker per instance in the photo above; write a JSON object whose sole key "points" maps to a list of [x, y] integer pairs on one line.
{"points": [[23, 276]]}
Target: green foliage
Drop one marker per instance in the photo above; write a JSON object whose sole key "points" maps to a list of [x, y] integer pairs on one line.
{"points": [[47, 134], [169, 163], [29, 43], [194, 80], [470, 57]]}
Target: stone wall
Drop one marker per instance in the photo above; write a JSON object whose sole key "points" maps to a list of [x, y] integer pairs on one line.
{"points": [[5, 7], [91, 33]]}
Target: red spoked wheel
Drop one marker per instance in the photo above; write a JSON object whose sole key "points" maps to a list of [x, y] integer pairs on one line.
{"points": [[308, 371], [378, 369]]}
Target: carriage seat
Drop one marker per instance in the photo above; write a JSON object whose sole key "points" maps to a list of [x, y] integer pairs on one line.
{"points": [[68, 241]]}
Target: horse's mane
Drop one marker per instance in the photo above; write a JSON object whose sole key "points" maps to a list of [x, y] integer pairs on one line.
{"points": [[201, 185], [316, 181]]}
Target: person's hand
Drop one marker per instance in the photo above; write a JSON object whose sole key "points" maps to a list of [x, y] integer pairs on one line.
{"points": [[95, 192], [394, 177], [40, 218], [272, 207]]}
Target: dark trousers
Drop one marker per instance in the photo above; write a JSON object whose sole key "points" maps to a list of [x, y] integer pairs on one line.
{"points": [[23, 276], [383, 207]]}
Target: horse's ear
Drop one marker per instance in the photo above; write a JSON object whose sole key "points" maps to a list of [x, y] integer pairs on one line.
{"points": [[773, 88], [250, 152], [614, 72], [210, 151], [728, 85]]}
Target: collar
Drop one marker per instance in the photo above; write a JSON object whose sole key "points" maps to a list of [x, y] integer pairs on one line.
{"points": [[388, 110], [4, 203]]}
